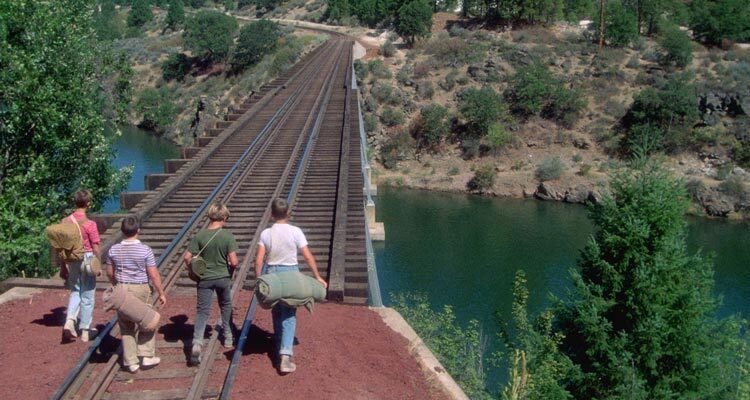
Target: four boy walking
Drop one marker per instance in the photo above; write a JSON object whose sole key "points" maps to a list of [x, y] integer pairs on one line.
{"points": [[211, 257]]}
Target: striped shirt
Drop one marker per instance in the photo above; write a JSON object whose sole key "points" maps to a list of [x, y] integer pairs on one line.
{"points": [[130, 258]]}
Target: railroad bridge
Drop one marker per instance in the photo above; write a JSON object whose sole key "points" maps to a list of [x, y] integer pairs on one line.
{"points": [[299, 137]]}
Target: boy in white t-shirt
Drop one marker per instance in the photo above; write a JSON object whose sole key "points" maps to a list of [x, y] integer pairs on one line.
{"points": [[281, 242]]}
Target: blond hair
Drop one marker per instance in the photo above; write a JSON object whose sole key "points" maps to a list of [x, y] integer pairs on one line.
{"points": [[218, 212]]}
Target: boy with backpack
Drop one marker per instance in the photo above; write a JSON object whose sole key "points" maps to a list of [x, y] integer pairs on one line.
{"points": [[81, 284], [216, 249]]}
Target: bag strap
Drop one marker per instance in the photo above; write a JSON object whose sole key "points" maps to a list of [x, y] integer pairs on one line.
{"points": [[80, 234], [209, 241]]}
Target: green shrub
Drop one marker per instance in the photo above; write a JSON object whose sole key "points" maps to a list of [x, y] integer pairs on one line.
{"points": [[379, 70], [455, 51], [550, 168], [671, 108], [425, 90], [156, 109], [175, 15], [176, 67], [484, 178], [434, 125], [107, 23], [716, 20], [256, 39], [383, 93], [453, 170], [676, 46], [388, 49], [741, 153], [449, 82], [460, 350], [361, 69], [620, 25], [140, 13], [394, 150], [498, 137], [210, 35], [584, 170], [533, 90], [733, 186], [371, 123], [392, 116], [481, 108]]}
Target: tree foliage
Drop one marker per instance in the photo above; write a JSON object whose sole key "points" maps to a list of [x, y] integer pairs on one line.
{"points": [[156, 109], [176, 66], [52, 138], [434, 126], [175, 15], [107, 23], [715, 20], [257, 39], [140, 13], [677, 49], [639, 322], [481, 108], [414, 20], [210, 35], [620, 24], [533, 90]]}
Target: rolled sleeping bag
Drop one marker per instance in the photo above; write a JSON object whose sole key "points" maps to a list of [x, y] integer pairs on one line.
{"points": [[130, 308]]}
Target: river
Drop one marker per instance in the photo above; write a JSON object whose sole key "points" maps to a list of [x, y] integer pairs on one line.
{"points": [[145, 152]]}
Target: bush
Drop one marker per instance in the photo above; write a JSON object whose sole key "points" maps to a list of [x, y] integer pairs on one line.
{"points": [[481, 108], [378, 69], [434, 125], [670, 107], [388, 49], [256, 39], [733, 186], [175, 15], [361, 70], [676, 45], [392, 116], [484, 178], [449, 82], [370, 123], [210, 35], [620, 25], [455, 51], [156, 109], [715, 20], [498, 137], [176, 67], [384, 94], [394, 150], [550, 168], [741, 153], [425, 90], [533, 90], [140, 13]]}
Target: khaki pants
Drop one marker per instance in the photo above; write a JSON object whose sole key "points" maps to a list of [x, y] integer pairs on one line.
{"points": [[134, 343]]}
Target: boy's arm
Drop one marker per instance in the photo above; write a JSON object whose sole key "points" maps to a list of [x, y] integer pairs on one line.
{"points": [[259, 260], [111, 273], [155, 278], [313, 266]]}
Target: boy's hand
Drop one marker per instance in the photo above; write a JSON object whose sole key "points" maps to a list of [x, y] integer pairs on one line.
{"points": [[64, 272], [322, 281], [163, 299]]}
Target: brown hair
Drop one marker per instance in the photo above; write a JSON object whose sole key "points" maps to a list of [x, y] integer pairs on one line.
{"points": [[279, 209], [218, 212], [82, 198], [130, 225]]}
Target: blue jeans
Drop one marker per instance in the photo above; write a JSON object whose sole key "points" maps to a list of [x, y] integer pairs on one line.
{"points": [[206, 289], [284, 317], [82, 293]]}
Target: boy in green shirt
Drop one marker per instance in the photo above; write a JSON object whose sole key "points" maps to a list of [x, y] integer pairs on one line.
{"points": [[218, 248]]}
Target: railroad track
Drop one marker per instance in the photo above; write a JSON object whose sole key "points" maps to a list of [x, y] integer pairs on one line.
{"points": [[293, 139]]}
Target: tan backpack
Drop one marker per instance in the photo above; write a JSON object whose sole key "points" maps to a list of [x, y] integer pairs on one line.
{"points": [[67, 240]]}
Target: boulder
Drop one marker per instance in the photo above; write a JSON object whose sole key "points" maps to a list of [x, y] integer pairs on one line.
{"points": [[582, 144], [546, 191], [476, 71], [718, 207], [577, 195]]}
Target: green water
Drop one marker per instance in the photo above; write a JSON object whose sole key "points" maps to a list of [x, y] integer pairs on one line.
{"points": [[464, 250], [145, 152]]}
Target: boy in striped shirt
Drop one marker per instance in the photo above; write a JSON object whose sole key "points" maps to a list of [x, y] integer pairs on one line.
{"points": [[131, 264]]}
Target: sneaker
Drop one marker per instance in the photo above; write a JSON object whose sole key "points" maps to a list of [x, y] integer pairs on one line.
{"points": [[69, 330], [228, 339], [150, 361], [88, 334], [287, 366], [133, 368], [195, 353]]}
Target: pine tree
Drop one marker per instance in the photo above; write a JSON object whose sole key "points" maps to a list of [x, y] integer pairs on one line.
{"points": [[175, 15], [414, 20], [639, 323], [140, 13]]}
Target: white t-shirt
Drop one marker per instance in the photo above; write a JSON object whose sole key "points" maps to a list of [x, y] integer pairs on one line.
{"points": [[282, 242]]}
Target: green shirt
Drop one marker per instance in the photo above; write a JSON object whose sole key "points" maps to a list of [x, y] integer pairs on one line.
{"points": [[215, 253]]}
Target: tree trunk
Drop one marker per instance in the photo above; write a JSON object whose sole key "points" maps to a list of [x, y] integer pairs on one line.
{"points": [[601, 24]]}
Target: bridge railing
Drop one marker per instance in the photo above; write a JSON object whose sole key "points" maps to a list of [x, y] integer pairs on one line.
{"points": [[373, 287]]}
